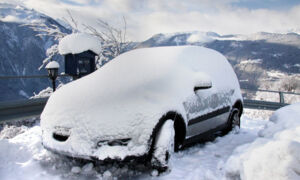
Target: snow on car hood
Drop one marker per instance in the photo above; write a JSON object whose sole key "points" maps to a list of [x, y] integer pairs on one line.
{"points": [[127, 97]]}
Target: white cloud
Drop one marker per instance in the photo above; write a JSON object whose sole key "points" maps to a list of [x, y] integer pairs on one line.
{"points": [[148, 17]]}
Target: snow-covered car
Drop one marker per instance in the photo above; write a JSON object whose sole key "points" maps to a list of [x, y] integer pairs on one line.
{"points": [[145, 103]]}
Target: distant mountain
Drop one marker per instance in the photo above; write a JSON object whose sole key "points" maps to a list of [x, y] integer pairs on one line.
{"points": [[254, 57], [22, 51]]}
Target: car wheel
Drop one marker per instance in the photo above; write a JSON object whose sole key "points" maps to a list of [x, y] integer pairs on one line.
{"points": [[233, 123], [163, 146]]}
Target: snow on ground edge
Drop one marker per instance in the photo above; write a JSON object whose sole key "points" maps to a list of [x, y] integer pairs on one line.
{"points": [[274, 154]]}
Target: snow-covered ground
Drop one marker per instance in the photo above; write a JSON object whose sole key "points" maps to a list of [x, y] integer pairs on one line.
{"points": [[244, 155]]}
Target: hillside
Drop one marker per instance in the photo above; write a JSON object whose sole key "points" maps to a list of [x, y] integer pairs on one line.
{"points": [[22, 51]]}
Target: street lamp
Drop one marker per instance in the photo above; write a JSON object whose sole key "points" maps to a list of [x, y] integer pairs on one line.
{"points": [[52, 68]]}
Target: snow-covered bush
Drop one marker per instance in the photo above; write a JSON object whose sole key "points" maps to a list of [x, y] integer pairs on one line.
{"points": [[291, 83], [9, 132]]}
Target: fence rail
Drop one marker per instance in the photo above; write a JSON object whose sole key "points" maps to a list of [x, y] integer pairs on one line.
{"points": [[22, 109], [31, 76], [262, 105]]}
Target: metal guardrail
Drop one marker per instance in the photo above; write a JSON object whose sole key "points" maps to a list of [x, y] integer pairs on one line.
{"points": [[263, 105], [22, 109], [31, 76], [266, 105], [14, 110]]}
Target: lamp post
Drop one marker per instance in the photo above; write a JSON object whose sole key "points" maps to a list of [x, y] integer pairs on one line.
{"points": [[52, 68]]}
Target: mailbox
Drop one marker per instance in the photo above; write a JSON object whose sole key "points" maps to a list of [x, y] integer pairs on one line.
{"points": [[81, 64]]}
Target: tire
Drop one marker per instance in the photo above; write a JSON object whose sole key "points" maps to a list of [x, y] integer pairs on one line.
{"points": [[163, 146], [233, 123]]}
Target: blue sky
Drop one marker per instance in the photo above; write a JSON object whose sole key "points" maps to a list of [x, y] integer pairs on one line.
{"points": [[266, 4], [148, 17]]}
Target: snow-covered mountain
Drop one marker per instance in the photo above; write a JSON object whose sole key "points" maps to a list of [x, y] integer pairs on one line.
{"points": [[255, 58], [22, 51]]}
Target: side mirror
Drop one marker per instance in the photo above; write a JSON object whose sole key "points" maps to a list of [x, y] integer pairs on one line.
{"points": [[203, 85]]}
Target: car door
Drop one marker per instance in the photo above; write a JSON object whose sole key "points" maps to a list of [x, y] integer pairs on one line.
{"points": [[206, 110]]}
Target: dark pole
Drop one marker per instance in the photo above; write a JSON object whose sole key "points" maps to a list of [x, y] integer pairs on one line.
{"points": [[53, 84]]}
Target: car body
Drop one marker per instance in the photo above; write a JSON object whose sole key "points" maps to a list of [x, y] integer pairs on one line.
{"points": [[116, 112]]}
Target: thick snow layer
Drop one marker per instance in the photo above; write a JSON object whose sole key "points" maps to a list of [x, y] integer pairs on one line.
{"points": [[79, 42], [20, 157], [52, 65], [127, 97], [275, 154]]}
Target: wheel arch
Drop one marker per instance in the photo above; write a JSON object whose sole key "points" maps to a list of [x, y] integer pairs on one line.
{"points": [[179, 126]]}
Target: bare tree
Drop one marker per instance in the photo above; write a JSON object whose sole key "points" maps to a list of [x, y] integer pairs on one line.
{"points": [[290, 84], [71, 22], [113, 39]]}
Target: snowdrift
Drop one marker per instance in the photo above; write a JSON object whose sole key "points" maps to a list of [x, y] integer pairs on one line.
{"points": [[275, 154]]}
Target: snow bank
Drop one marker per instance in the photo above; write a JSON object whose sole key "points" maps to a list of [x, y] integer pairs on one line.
{"points": [[275, 154], [20, 157], [43, 93], [9, 132], [23, 157], [47, 92], [78, 43]]}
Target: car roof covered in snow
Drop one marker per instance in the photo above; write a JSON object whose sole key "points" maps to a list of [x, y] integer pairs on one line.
{"points": [[159, 69]]}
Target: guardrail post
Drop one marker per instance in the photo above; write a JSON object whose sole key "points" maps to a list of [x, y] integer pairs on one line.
{"points": [[281, 97]]}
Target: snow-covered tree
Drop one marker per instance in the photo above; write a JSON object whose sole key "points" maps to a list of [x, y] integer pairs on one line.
{"points": [[290, 84], [113, 39]]}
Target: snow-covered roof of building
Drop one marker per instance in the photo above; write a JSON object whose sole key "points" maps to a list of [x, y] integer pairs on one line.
{"points": [[52, 64], [79, 42]]}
